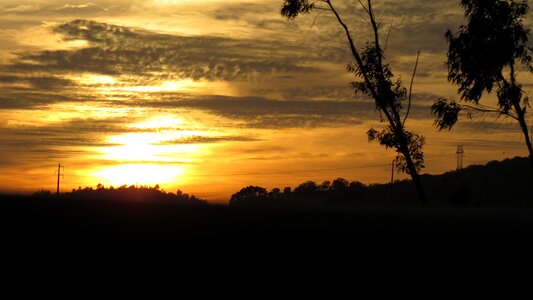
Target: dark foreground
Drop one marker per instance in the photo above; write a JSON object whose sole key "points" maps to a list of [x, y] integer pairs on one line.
{"points": [[106, 230]]}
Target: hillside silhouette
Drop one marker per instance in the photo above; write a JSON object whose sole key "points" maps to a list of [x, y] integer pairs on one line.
{"points": [[498, 183]]}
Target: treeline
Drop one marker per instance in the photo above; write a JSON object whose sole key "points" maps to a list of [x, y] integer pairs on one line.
{"points": [[132, 193], [501, 183], [307, 193]]}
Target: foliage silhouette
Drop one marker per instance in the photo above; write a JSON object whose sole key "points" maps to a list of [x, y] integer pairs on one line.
{"points": [[249, 193], [484, 54], [379, 83], [305, 194]]}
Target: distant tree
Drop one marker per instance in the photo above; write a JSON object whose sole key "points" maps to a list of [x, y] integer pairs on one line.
{"points": [[275, 194], [339, 184], [306, 187], [325, 186], [379, 83], [133, 193], [356, 188], [486, 54], [249, 195], [287, 190], [42, 194]]}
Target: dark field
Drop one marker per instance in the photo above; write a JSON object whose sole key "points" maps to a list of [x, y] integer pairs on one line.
{"points": [[61, 229]]}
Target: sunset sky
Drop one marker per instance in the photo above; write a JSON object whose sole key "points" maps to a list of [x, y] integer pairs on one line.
{"points": [[211, 96]]}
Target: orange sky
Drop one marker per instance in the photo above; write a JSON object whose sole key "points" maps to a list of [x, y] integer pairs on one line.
{"points": [[211, 96]]}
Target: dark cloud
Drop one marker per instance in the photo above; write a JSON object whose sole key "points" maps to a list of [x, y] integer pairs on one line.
{"points": [[22, 98], [313, 92], [37, 82], [260, 112], [488, 123]]}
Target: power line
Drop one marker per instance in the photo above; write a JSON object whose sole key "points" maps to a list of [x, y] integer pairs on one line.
{"points": [[316, 170], [307, 170]]}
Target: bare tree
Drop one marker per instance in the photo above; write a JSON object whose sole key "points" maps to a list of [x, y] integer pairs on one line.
{"points": [[378, 82], [484, 54]]}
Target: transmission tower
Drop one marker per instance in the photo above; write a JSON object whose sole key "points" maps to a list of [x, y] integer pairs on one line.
{"points": [[460, 154]]}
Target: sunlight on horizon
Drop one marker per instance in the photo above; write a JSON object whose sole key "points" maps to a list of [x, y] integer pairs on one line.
{"points": [[142, 153], [139, 174]]}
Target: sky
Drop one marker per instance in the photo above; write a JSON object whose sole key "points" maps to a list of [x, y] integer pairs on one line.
{"points": [[211, 96]]}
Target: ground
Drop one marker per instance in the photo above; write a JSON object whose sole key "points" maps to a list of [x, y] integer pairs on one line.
{"points": [[56, 228]]}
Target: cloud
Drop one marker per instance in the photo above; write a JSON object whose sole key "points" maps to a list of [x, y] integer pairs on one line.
{"points": [[138, 57], [122, 50], [143, 56], [22, 8], [257, 112], [196, 139], [74, 132], [59, 8]]}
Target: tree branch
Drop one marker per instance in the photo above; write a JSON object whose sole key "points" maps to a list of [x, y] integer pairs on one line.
{"points": [[361, 65], [388, 35], [411, 89]]}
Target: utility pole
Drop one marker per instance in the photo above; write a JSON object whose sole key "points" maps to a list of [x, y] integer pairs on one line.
{"points": [[460, 154], [391, 179], [392, 172], [58, 177]]}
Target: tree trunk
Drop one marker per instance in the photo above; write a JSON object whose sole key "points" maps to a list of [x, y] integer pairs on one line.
{"points": [[414, 176], [523, 126], [521, 115]]}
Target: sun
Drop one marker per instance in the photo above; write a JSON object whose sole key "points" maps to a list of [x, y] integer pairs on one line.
{"points": [[150, 154], [143, 174]]}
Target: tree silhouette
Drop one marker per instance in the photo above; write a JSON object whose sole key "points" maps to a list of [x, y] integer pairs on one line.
{"points": [[253, 194], [379, 83], [307, 187], [484, 54], [339, 184]]}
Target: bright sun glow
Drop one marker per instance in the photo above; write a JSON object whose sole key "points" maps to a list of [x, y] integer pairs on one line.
{"points": [[160, 142], [144, 174], [95, 79], [166, 86], [142, 153], [150, 147], [159, 122]]}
